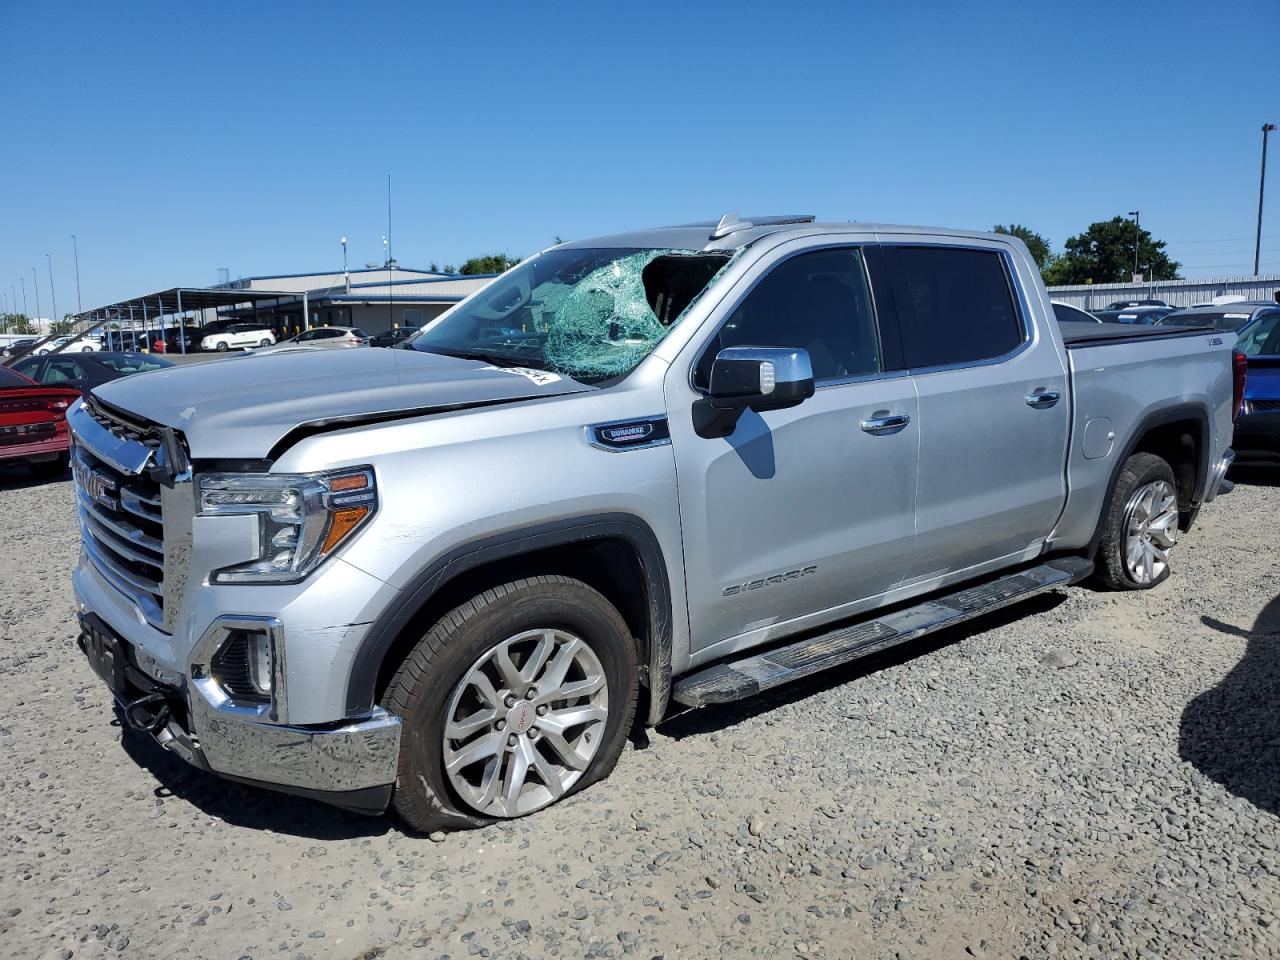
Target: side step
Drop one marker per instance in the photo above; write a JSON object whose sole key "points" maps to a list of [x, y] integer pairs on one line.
{"points": [[742, 678]]}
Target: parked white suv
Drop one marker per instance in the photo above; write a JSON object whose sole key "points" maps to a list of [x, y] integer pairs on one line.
{"points": [[238, 335]]}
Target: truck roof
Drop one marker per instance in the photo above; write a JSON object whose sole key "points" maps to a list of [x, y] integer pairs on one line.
{"points": [[732, 233]]}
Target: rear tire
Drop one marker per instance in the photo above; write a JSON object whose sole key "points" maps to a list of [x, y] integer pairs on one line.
{"points": [[520, 767], [1139, 525], [54, 469], [265, 343]]}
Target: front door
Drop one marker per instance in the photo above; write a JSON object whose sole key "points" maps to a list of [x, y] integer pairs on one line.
{"points": [[994, 409], [800, 511]]}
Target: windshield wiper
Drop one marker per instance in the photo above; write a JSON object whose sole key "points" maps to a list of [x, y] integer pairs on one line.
{"points": [[497, 359]]}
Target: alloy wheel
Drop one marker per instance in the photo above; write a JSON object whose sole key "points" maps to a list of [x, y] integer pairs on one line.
{"points": [[525, 722], [1150, 531]]}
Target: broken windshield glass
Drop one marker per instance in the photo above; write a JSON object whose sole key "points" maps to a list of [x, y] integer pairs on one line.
{"points": [[591, 314]]}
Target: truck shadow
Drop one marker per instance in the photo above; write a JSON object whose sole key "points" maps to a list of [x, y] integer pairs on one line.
{"points": [[241, 805], [1255, 476], [713, 719], [20, 478], [1231, 733]]}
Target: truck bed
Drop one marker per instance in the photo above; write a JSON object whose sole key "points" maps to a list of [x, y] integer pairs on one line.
{"points": [[1084, 334]]}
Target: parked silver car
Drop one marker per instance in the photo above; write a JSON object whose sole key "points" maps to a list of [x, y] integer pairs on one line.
{"points": [[688, 463]]}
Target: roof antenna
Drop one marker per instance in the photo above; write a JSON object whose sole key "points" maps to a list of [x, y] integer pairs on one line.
{"points": [[728, 224]]}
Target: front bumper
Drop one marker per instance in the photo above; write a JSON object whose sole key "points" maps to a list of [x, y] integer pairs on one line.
{"points": [[350, 763], [1257, 437]]}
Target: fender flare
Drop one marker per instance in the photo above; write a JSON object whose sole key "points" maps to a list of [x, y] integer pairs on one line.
{"points": [[379, 640], [1151, 421]]}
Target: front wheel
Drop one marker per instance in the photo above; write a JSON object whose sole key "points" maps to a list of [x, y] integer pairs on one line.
{"points": [[514, 700], [222, 346], [1139, 526]]}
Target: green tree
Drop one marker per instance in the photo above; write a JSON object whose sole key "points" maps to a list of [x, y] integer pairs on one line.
{"points": [[490, 263], [1036, 244], [16, 323], [1104, 254], [60, 328]]}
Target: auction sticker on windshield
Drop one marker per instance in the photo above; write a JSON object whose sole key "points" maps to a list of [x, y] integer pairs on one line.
{"points": [[539, 377]]}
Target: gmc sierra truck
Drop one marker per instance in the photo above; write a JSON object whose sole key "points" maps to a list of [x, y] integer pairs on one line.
{"points": [[682, 464]]}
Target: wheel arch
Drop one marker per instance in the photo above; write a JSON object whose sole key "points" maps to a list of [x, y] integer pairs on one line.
{"points": [[1180, 435], [605, 551]]}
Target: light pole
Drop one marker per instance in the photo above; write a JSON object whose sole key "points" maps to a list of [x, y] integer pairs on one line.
{"points": [[23, 281], [53, 308], [76, 249], [1134, 214], [346, 276], [35, 282], [1262, 182]]}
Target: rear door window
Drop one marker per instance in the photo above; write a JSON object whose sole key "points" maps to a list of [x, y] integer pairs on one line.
{"points": [[955, 304], [62, 370]]}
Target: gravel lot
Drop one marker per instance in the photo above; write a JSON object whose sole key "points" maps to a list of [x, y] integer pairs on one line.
{"points": [[959, 798]]}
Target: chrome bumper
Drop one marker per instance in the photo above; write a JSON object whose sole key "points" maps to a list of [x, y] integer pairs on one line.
{"points": [[352, 755], [1218, 477]]}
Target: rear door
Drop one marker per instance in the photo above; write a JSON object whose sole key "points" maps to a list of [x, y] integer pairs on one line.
{"points": [[994, 409]]}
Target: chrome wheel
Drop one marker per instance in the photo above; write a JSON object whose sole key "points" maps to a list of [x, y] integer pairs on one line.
{"points": [[1150, 531], [525, 722]]}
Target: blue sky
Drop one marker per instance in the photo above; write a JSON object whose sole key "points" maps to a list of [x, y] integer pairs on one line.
{"points": [[174, 139]]}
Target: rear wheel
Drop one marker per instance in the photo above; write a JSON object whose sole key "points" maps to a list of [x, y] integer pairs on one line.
{"points": [[265, 343], [1140, 525], [514, 700]]}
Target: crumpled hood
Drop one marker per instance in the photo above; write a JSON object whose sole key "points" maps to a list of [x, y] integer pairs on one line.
{"points": [[241, 407]]}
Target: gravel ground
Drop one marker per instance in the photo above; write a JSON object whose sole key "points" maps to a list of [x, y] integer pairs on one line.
{"points": [[1089, 775]]}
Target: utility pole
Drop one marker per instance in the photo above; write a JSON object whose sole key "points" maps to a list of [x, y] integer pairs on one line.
{"points": [[1134, 214], [346, 274], [76, 248], [52, 296], [1262, 182]]}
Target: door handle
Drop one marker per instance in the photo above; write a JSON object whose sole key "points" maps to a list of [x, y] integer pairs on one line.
{"points": [[883, 426], [1043, 399]]}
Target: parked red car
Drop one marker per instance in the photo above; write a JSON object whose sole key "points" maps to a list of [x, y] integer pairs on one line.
{"points": [[33, 424]]}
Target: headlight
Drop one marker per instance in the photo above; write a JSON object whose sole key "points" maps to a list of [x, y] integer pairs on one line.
{"points": [[303, 517]]}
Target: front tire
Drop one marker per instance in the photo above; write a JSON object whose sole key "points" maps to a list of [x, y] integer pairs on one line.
{"points": [[514, 700], [1139, 526], [222, 346]]}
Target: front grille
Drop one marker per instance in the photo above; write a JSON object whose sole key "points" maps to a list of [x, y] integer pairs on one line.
{"points": [[1265, 404], [121, 521]]}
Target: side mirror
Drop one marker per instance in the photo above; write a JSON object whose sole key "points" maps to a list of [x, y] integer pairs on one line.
{"points": [[752, 378]]}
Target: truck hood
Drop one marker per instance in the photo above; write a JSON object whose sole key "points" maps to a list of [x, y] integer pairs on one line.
{"points": [[242, 407]]}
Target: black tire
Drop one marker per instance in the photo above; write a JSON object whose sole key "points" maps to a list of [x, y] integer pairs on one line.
{"points": [[420, 690], [1138, 471], [222, 346], [265, 343], [51, 469]]}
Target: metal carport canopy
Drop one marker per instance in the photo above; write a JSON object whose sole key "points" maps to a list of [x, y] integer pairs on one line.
{"points": [[182, 299]]}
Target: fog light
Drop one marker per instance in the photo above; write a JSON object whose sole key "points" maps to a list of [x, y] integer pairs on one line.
{"points": [[243, 665]]}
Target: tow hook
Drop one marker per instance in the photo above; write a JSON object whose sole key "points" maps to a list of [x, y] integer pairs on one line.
{"points": [[148, 714]]}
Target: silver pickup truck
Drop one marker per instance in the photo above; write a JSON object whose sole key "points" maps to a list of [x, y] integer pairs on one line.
{"points": [[683, 464]]}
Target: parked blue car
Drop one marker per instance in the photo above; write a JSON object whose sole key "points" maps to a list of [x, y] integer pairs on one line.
{"points": [[1257, 327]]}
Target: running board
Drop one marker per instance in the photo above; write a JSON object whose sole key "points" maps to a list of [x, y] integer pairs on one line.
{"points": [[725, 682]]}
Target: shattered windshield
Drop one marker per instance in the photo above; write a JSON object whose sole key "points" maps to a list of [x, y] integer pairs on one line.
{"points": [[590, 314]]}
